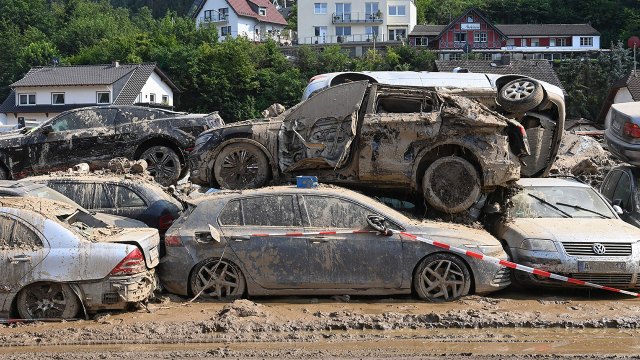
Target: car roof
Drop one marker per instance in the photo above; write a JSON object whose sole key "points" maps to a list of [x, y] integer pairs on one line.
{"points": [[552, 181], [18, 187]]}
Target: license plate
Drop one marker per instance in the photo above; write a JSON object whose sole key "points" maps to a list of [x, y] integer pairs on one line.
{"points": [[601, 267], [153, 253]]}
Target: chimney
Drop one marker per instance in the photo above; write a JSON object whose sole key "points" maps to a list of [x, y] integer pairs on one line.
{"points": [[116, 63], [505, 60]]}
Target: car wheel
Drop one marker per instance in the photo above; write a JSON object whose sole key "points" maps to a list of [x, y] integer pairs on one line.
{"points": [[241, 166], [4, 174], [218, 278], [451, 184], [163, 164], [520, 95], [47, 301], [441, 277]]}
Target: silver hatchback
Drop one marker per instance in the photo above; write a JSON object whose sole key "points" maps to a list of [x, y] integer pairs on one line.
{"points": [[567, 227]]}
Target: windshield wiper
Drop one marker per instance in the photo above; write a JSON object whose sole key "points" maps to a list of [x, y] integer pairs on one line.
{"points": [[578, 207], [550, 205]]}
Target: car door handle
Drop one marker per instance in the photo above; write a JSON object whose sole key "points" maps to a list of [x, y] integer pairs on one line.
{"points": [[20, 258], [240, 238], [318, 240]]}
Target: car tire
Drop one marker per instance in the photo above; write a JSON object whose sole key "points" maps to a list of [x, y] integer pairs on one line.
{"points": [[217, 278], [451, 184], [241, 166], [441, 277], [163, 164], [4, 174], [520, 95], [47, 301]]}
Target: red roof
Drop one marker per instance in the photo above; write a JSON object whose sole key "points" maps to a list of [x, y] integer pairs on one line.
{"points": [[243, 8]]}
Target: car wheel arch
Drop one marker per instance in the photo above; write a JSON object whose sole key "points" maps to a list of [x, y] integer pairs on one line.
{"points": [[75, 288], [273, 165], [428, 155], [472, 270], [159, 141]]}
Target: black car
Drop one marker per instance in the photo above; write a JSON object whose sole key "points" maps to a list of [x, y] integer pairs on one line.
{"points": [[97, 134], [620, 187], [136, 199]]}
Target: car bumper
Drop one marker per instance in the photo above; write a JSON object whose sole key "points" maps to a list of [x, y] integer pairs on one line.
{"points": [[174, 270], [623, 150], [116, 292], [618, 271]]}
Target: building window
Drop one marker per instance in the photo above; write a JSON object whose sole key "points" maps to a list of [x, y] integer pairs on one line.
{"points": [[460, 37], [57, 98], [262, 11], [27, 99], [487, 56], [397, 10], [480, 37], [152, 98], [586, 41], [320, 8], [103, 97], [561, 42], [372, 30], [397, 34], [535, 42], [343, 10], [343, 30], [165, 99], [371, 10], [320, 30], [225, 31], [223, 14], [422, 41]]}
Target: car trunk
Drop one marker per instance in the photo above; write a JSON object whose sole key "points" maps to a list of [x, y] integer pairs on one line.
{"points": [[147, 240]]}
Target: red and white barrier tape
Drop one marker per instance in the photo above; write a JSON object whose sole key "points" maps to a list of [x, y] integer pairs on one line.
{"points": [[468, 253]]}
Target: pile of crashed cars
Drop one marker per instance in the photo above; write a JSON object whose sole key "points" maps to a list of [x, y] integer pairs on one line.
{"points": [[433, 145]]}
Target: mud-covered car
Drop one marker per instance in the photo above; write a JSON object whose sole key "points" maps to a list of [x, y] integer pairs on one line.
{"points": [[448, 148], [32, 189], [97, 134], [564, 226], [211, 249], [56, 263], [620, 188], [133, 198]]}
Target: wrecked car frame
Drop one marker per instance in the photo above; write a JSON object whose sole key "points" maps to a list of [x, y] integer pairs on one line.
{"points": [[447, 147]]}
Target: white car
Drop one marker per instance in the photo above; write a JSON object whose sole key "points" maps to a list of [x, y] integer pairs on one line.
{"points": [[537, 105], [54, 262]]}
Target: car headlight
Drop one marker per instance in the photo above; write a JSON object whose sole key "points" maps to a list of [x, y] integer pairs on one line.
{"points": [[539, 245], [491, 250]]}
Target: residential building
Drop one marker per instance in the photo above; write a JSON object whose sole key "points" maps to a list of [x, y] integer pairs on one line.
{"points": [[256, 20], [46, 91], [473, 32], [624, 90], [340, 21]]}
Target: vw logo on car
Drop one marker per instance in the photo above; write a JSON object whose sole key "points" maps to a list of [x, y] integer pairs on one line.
{"points": [[599, 249]]}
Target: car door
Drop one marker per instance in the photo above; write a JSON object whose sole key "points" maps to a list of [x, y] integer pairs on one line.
{"points": [[348, 260], [84, 135], [318, 134], [22, 249], [394, 121], [274, 262]]}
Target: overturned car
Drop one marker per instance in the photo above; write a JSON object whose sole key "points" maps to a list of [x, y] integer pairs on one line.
{"points": [[446, 147]]}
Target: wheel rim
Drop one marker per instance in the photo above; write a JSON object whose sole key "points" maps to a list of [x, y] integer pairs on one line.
{"points": [[442, 280], [46, 301], [218, 280], [519, 90], [239, 167], [161, 165]]}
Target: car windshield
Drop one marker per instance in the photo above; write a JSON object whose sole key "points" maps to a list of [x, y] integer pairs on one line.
{"points": [[559, 202]]}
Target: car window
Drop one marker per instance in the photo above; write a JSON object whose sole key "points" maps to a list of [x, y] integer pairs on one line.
{"points": [[397, 104], [623, 192], [124, 197], [276, 210], [609, 186], [135, 115], [78, 192], [16, 235], [100, 197], [84, 119], [231, 214], [330, 212]]}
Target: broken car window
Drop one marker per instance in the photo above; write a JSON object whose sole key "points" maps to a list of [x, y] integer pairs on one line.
{"points": [[403, 105], [269, 211], [328, 212]]}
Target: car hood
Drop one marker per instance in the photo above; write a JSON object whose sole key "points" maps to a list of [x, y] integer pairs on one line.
{"points": [[576, 230], [452, 234], [146, 239], [119, 221]]}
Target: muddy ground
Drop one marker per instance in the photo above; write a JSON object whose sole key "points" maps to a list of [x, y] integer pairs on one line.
{"points": [[544, 323]]}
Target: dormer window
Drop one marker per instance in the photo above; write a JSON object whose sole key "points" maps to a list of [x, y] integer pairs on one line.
{"points": [[470, 18], [262, 11]]}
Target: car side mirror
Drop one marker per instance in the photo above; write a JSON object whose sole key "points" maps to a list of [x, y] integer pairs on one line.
{"points": [[46, 129], [378, 223], [618, 210], [215, 234]]}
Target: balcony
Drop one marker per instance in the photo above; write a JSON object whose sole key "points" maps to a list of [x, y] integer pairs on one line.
{"points": [[475, 45], [216, 19], [340, 39], [357, 18]]}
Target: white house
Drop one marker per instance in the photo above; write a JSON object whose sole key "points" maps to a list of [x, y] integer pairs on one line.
{"points": [[256, 20], [625, 90], [331, 21], [47, 91]]}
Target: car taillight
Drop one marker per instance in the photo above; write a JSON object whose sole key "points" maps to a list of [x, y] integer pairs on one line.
{"points": [[165, 221], [631, 130], [172, 241], [131, 264]]}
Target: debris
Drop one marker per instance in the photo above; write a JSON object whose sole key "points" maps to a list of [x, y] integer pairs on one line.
{"points": [[81, 168], [122, 165], [341, 298], [273, 110], [243, 308]]}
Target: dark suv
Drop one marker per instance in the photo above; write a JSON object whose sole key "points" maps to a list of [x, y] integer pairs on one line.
{"points": [[97, 134]]}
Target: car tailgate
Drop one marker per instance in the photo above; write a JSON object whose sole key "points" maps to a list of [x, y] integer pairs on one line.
{"points": [[146, 239]]}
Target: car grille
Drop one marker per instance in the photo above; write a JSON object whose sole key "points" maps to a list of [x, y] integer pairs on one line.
{"points": [[582, 248], [503, 277], [616, 280], [110, 298]]}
